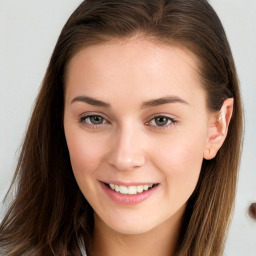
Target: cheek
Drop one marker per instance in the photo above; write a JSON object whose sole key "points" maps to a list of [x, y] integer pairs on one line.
{"points": [[86, 152], [180, 159]]}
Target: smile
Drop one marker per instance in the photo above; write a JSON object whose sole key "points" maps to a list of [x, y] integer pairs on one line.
{"points": [[129, 195], [130, 190]]}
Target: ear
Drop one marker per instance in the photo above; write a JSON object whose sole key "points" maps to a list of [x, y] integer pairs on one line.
{"points": [[218, 129]]}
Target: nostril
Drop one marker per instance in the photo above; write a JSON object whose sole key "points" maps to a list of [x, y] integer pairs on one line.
{"points": [[252, 211]]}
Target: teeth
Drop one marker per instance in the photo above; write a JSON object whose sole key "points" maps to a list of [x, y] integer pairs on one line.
{"points": [[145, 187], [117, 189], [123, 190], [130, 190], [139, 189]]}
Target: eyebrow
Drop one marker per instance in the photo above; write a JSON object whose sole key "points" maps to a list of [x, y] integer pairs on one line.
{"points": [[91, 101], [146, 104], [162, 101]]}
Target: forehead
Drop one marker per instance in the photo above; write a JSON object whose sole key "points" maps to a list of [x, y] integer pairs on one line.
{"points": [[133, 66]]}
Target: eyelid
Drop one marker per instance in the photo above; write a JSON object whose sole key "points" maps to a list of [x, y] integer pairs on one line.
{"points": [[83, 117], [173, 120], [89, 121], [92, 113]]}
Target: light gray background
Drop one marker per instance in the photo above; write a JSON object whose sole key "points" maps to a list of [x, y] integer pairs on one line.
{"points": [[28, 32]]}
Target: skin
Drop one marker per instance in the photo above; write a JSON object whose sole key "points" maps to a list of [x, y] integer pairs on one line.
{"points": [[131, 147]]}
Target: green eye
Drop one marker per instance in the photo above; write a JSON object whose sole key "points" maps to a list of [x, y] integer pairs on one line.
{"points": [[94, 119], [161, 121]]}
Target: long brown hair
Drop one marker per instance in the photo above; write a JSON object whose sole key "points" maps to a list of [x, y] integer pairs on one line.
{"points": [[49, 213]]}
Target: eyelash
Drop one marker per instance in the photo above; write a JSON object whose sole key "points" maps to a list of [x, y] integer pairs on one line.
{"points": [[89, 124], [170, 121]]}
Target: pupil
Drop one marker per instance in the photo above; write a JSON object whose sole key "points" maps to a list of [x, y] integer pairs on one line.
{"points": [[161, 121], [96, 119]]}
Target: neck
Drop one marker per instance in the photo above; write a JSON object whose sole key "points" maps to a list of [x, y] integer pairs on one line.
{"points": [[161, 240]]}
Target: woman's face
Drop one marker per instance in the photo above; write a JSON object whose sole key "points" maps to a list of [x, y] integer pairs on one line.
{"points": [[136, 125]]}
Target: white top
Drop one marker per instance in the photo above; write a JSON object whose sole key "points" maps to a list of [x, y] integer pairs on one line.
{"points": [[82, 247], [83, 251]]}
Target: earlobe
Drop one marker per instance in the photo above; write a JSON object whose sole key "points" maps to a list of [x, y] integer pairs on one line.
{"points": [[218, 129]]}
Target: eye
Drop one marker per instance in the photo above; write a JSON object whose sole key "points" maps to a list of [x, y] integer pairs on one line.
{"points": [[93, 120], [161, 121]]}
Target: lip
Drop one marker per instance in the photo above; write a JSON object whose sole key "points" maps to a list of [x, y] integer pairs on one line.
{"points": [[127, 184], [128, 199]]}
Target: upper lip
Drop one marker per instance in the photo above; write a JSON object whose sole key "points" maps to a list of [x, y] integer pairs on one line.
{"points": [[121, 183]]}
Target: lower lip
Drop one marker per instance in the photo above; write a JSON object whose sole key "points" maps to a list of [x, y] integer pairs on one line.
{"points": [[128, 199]]}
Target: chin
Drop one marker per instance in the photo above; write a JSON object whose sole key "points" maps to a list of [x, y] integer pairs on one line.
{"points": [[132, 224], [132, 228]]}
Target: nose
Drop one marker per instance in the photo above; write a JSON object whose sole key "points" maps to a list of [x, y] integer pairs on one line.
{"points": [[127, 150]]}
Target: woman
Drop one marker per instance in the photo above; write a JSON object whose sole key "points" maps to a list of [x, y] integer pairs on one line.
{"points": [[134, 144]]}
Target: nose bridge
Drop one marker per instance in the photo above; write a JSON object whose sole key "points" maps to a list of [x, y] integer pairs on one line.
{"points": [[127, 149]]}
